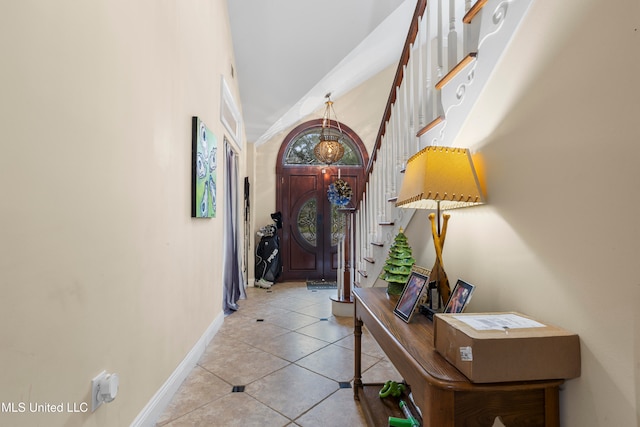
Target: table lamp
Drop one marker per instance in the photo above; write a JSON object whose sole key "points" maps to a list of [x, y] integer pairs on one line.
{"points": [[440, 178]]}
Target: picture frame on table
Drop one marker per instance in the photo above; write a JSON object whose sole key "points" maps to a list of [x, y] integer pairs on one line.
{"points": [[412, 294], [460, 297]]}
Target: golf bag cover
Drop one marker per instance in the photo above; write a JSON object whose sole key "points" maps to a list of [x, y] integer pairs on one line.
{"points": [[277, 219], [268, 259]]}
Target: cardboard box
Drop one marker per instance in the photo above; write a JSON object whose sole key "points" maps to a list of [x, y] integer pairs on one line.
{"points": [[499, 347]]}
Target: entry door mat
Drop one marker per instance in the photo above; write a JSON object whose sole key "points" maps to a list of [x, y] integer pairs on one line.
{"points": [[321, 284]]}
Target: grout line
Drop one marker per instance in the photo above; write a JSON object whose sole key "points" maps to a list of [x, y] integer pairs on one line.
{"points": [[278, 300]]}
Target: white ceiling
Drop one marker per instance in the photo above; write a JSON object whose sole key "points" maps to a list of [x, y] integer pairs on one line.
{"points": [[290, 53]]}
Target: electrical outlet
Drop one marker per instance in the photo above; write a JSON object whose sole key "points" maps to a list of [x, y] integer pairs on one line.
{"points": [[95, 388], [104, 388]]}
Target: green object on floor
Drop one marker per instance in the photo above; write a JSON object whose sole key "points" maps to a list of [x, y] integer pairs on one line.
{"points": [[391, 388], [410, 421]]}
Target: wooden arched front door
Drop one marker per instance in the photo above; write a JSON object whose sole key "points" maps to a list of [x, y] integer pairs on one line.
{"points": [[312, 226]]}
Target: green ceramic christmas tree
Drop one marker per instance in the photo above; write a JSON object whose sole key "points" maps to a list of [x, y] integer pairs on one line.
{"points": [[397, 268]]}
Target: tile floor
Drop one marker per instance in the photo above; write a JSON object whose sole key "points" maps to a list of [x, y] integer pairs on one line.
{"points": [[282, 359]]}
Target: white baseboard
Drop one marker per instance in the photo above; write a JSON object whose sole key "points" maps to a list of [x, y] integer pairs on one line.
{"points": [[156, 406]]}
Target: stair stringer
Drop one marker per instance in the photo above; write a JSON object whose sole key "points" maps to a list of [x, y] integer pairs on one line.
{"points": [[498, 22]]}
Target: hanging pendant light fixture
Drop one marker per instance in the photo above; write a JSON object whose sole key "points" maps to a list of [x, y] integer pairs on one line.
{"points": [[329, 150]]}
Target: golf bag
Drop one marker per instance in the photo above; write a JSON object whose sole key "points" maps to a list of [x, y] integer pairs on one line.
{"points": [[268, 265]]}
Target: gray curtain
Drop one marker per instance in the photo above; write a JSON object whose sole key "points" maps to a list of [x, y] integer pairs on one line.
{"points": [[233, 281]]}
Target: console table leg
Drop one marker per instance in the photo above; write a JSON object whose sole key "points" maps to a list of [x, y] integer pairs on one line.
{"points": [[357, 377], [552, 406]]}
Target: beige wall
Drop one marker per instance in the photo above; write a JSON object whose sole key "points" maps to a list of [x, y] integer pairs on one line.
{"points": [[101, 265], [560, 236]]}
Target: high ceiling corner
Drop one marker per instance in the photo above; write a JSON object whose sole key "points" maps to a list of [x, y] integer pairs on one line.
{"points": [[289, 53]]}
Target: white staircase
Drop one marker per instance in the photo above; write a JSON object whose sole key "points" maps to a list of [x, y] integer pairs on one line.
{"points": [[451, 50]]}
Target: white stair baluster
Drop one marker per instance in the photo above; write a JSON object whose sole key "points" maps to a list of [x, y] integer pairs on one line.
{"points": [[452, 37]]}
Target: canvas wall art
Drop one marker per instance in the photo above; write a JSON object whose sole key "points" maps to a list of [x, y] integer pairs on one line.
{"points": [[203, 182]]}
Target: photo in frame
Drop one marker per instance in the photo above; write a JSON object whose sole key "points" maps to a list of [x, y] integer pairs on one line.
{"points": [[204, 148], [460, 297], [412, 294]]}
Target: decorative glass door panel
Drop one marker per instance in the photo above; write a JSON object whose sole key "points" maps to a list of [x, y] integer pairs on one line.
{"points": [[338, 223], [307, 222]]}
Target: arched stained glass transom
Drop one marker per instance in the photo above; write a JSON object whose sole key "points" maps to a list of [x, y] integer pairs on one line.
{"points": [[299, 152]]}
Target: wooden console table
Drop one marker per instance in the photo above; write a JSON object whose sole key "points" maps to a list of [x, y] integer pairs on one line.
{"points": [[445, 396]]}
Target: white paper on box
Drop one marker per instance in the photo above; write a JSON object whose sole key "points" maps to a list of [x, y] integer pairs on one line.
{"points": [[500, 322]]}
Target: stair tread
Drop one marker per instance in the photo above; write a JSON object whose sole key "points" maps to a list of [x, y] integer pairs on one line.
{"points": [[435, 122], [455, 70], [468, 17]]}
